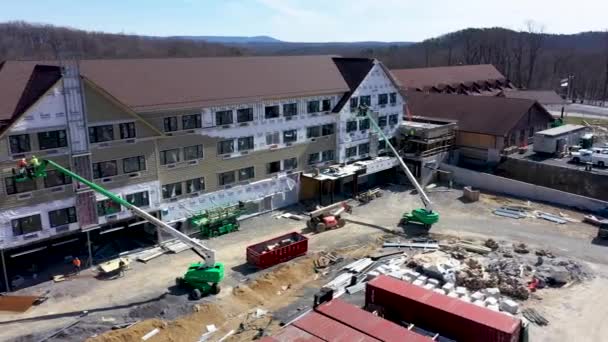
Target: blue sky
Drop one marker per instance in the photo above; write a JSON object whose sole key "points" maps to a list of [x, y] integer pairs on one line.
{"points": [[309, 20]]}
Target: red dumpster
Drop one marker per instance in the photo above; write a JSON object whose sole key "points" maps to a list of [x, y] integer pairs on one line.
{"points": [[277, 250], [450, 317]]}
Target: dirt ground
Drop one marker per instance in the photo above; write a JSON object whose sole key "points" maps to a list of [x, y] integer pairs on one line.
{"points": [[575, 312]]}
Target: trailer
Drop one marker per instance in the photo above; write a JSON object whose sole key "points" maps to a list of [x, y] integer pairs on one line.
{"points": [[277, 250], [555, 140]]}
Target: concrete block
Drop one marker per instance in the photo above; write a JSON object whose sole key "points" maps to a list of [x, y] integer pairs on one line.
{"points": [[415, 274], [448, 287], [491, 301], [461, 291], [492, 292], [439, 291], [423, 278], [418, 282], [509, 306], [452, 294], [433, 281], [371, 275], [478, 296], [479, 303], [429, 286], [466, 298], [408, 278], [493, 307]]}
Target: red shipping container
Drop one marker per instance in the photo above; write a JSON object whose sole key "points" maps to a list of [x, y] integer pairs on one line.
{"points": [[368, 323], [292, 334], [327, 329], [260, 255], [450, 317]]}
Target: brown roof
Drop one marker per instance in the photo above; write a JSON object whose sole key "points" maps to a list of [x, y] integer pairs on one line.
{"points": [[478, 114], [13, 79], [157, 84], [545, 97], [423, 78]]}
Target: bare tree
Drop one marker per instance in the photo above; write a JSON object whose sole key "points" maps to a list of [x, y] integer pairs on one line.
{"points": [[535, 38]]}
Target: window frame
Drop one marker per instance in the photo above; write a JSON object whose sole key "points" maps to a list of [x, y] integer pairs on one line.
{"points": [[220, 149], [392, 98], [163, 156], [347, 151], [15, 186], [288, 113], [394, 122], [58, 140], [144, 195], [221, 181], [199, 148], [383, 121], [249, 169], [97, 168], [127, 130], [313, 161], [331, 131], [290, 164], [349, 126], [187, 121], [326, 102], [17, 142], [310, 106], [354, 103], [244, 111], [366, 145], [365, 100], [324, 159], [382, 99], [70, 217], [275, 137], [310, 130], [220, 115], [269, 167], [269, 112], [250, 143], [176, 188], [19, 222], [141, 164], [363, 127], [65, 179], [102, 212], [189, 182], [291, 140], [170, 124]]}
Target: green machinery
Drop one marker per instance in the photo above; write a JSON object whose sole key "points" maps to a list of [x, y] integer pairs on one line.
{"points": [[201, 278], [424, 216], [218, 221]]}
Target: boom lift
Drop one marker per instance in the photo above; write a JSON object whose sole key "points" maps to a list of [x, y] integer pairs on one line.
{"points": [[202, 278], [424, 216]]}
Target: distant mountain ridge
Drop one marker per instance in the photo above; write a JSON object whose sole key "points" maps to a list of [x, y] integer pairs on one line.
{"points": [[230, 39]]}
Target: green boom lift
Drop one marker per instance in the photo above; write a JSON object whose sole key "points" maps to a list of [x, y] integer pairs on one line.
{"points": [[424, 216], [202, 278]]}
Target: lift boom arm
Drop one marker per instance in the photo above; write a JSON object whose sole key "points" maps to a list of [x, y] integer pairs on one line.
{"points": [[206, 253], [428, 205]]}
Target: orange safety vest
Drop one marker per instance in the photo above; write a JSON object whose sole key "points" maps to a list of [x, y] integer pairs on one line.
{"points": [[76, 262]]}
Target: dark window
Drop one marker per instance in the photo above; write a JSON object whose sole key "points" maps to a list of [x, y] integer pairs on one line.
{"points": [[244, 115], [226, 178], [170, 124], [328, 129], [354, 103], [313, 158], [225, 147], [290, 109], [53, 139], [363, 148], [245, 143], [191, 121], [127, 130], [105, 169], [20, 143], [138, 199], [26, 225], [14, 187], [193, 152], [223, 117], [133, 164], [382, 144], [172, 190], [393, 119], [246, 173], [382, 99], [393, 98], [365, 100], [273, 167], [290, 136], [194, 185], [55, 178], [313, 132], [351, 152], [290, 164], [99, 134], [273, 138], [107, 207], [312, 107], [62, 217], [271, 112], [169, 156], [326, 105], [382, 121], [364, 124], [327, 155], [351, 126]]}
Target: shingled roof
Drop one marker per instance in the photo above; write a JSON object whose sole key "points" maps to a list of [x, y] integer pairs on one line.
{"points": [[544, 97], [440, 77], [477, 114]]}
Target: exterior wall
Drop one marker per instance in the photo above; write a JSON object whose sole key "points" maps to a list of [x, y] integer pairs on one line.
{"points": [[523, 132], [376, 82]]}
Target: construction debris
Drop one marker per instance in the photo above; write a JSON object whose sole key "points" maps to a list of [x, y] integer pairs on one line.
{"points": [[534, 316], [473, 248], [150, 334], [423, 245], [491, 244], [550, 217], [469, 194], [510, 212]]}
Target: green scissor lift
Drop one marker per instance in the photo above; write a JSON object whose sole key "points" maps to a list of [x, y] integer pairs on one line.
{"points": [[218, 221], [202, 278]]}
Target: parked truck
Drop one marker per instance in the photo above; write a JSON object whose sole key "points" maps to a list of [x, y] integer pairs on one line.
{"points": [[595, 156]]}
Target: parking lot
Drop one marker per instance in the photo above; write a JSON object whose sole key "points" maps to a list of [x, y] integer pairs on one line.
{"points": [[530, 155]]}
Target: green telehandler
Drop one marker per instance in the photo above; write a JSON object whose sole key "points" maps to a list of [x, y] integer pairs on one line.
{"points": [[201, 278]]}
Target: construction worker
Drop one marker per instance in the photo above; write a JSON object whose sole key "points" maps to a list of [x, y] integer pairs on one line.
{"points": [[76, 263], [122, 267], [22, 167]]}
